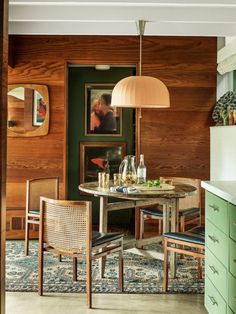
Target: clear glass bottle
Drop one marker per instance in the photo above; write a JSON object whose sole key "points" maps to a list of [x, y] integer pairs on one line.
{"points": [[107, 166], [141, 171]]}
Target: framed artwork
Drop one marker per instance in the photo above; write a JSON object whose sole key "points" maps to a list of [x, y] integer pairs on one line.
{"points": [[93, 156], [39, 109], [100, 118]]}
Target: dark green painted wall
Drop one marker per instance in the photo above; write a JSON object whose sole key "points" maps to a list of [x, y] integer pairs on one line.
{"points": [[234, 84], [78, 76]]}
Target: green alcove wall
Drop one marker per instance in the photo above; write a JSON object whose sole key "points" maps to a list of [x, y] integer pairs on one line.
{"points": [[234, 82], [77, 77]]}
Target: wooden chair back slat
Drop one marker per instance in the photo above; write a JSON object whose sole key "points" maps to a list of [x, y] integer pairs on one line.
{"points": [[190, 201]]}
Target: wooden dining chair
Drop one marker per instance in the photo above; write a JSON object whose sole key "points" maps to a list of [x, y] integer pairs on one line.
{"points": [[189, 208], [66, 229], [189, 243], [48, 187]]}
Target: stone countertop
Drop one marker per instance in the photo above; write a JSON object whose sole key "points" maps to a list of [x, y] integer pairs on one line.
{"points": [[223, 189]]}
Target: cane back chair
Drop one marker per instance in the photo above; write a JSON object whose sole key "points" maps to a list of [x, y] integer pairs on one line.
{"points": [[66, 229], [48, 187]]}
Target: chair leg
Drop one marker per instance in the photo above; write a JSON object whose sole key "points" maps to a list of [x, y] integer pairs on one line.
{"points": [[59, 258], [165, 281], [26, 237], [199, 272], [74, 268], [141, 233], [182, 224], [182, 229], [121, 271], [159, 227], [40, 271], [89, 281]]}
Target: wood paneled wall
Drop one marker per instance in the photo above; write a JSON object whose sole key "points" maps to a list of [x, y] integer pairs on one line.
{"points": [[3, 125], [175, 141]]}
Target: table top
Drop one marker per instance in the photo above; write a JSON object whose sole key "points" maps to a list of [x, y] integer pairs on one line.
{"points": [[180, 190]]}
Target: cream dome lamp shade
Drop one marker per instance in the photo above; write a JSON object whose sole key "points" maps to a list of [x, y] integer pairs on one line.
{"points": [[140, 91]]}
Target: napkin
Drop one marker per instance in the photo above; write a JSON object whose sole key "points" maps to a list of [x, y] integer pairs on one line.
{"points": [[123, 189]]}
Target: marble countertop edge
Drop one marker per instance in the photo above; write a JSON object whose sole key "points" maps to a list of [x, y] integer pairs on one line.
{"points": [[223, 189]]}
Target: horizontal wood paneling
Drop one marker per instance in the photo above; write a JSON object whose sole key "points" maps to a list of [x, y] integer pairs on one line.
{"points": [[175, 141], [195, 98], [179, 143]]}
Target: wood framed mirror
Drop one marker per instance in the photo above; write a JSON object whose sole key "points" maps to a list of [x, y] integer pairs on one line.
{"points": [[28, 110]]}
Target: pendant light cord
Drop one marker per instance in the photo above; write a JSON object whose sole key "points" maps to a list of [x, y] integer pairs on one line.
{"points": [[141, 28], [140, 53]]}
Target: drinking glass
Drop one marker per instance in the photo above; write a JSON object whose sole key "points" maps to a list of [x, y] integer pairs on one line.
{"points": [[117, 179]]}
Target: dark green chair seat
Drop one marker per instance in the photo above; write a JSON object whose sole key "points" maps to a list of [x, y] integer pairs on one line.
{"points": [[196, 235], [34, 212], [159, 213], [99, 238]]}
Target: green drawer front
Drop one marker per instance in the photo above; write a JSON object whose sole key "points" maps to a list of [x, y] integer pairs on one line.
{"points": [[232, 293], [232, 257], [217, 242], [232, 220], [217, 211], [217, 273], [230, 311], [214, 302]]}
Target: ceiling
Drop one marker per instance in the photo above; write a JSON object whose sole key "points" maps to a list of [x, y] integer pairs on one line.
{"points": [[165, 17]]}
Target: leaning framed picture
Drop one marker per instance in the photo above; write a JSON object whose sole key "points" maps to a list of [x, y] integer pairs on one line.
{"points": [[93, 156], [39, 109], [100, 118]]}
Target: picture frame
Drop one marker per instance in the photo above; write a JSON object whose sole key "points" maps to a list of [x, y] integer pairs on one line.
{"points": [[93, 156], [100, 118], [39, 109]]}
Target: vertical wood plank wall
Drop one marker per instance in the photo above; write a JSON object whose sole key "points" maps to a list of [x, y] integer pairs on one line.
{"points": [[3, 114], [175, 141]]}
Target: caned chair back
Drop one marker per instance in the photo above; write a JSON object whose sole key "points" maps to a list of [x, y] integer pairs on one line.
{"points": [[66, 224], [191, 201], [48, 187]]}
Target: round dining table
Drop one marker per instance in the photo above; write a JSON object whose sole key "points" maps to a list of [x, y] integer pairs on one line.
{"points": [[165, 195]]}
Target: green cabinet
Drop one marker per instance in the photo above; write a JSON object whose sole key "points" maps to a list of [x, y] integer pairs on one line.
{"points": [[232, 292], [216, 272], [217, 212], [232, 221], [214, 302], [220, 265]]}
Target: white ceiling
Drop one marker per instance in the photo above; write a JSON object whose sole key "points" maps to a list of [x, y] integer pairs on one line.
{"points": [[165, 17]]}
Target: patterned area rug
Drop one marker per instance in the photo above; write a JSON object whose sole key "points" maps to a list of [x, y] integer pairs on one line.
{"points": [[141, 275]]}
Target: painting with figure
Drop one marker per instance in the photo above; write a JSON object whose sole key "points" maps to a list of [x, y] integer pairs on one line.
{"points": [[100, 118]]}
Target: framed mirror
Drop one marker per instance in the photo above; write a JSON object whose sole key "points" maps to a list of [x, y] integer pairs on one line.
{"points": [[28, 110]]}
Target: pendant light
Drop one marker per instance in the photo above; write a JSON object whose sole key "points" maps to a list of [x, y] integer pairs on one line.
{"points": [[140, 91]]}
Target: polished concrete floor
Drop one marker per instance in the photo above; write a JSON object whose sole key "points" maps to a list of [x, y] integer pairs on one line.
{"points": [[31, 303]]}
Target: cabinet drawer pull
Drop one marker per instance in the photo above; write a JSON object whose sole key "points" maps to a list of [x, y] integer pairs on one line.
{"points": [[213, 239], [213, 301], [235, 260], [214, 207], [215, 271], [234, 223]]}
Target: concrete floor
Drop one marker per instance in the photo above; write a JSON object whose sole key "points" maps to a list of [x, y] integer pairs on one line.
{"points": [[31, 303]]}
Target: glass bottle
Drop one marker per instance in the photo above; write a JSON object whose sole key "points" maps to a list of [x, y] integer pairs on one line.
{"points": [[107, 166], [141, 171]]}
